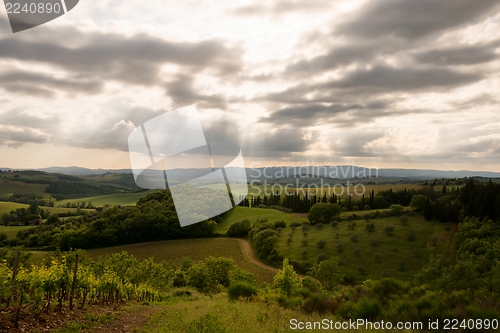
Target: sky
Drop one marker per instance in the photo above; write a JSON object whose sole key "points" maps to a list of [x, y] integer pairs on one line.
{"points": [[395, 84]]}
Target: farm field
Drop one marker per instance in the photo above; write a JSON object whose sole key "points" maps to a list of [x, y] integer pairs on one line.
{"points": [[391, 250], [8, 188], [237, 214], [254, 190], [11, 231], [124, 199], [7, 207], [174, 251]]}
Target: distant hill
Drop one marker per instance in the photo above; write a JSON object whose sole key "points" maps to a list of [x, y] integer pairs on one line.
{"points": [[275, 173]]}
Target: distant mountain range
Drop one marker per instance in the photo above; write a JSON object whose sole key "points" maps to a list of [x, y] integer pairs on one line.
{"points": [[277, 173]]}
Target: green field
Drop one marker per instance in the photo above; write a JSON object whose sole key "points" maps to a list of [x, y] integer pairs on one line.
{"points": [[195, 249], [124, 199], [11, 231], [237, 214], [269, 189], [8, 188], [7, 207], [392, 249]]}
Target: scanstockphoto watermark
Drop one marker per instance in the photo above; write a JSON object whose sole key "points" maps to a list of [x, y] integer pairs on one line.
{"points": [[338, 174]]}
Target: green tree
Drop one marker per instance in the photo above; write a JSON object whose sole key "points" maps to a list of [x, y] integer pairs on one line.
{"points": [[286, 280], [418, 201], [323, 212], [328, 273], [428, 210]]}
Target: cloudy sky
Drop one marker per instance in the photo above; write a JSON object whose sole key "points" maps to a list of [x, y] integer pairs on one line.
{"points": [[387, 83]]}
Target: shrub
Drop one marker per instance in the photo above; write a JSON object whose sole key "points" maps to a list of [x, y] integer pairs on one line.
{"points": [[322, 212], [337, 235], [239, 229], [403, 219], [321, 243], [319, 226], [411, 235], [385, 274], [334, 224], [289, 241], [396, 210], [402, 265], [370, 227], [295, 224], [434, 241], [304, 242], [361, 269], [367, 207], [304, 233], [389, 230], [339, 247], [356, 251], [373, 242], [355, 208], [280, 224], [3, 237], [354, 238], [321, 257], [241, 289], [305, 227], [304, 254], [378, 257]]}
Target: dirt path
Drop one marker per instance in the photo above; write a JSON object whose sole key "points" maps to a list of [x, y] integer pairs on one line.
{"points": [[247, 248]]}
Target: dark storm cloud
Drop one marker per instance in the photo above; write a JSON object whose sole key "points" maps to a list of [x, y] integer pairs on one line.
{"points": [[414, 19], [183, 93], [389, 79], [134, 60], [278, 143], [44, 85], [459, 55]]}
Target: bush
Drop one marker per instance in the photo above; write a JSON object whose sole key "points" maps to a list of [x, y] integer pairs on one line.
{"points": [[319, 226], [403, 219], [370, 227], [304, 254], [396, 210], [339, 247], [280, 224], [411, 235], [334, 224], [239, 229], [321, 243], [3, 237], [374, 242], [361, 269], [304, 242], [241, 289], [389, 230], [289, 241], [355, 208], [402, 265], [367, 207], [356, 251], [354, 238], [378, 257], [295, 224], [321, 257]]}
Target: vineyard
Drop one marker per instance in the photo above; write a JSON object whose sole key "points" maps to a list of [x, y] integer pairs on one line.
{"points": [[63, 280]]}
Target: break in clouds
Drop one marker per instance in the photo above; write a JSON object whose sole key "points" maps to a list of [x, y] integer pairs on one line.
{"points": [[371, 82]]}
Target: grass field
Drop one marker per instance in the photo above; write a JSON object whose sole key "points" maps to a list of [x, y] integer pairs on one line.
{"points": [[392, 249], [124, 199], [195, 249], [7, 207], [8, 188], [237, 214], [11, 231], [254, 190]]}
